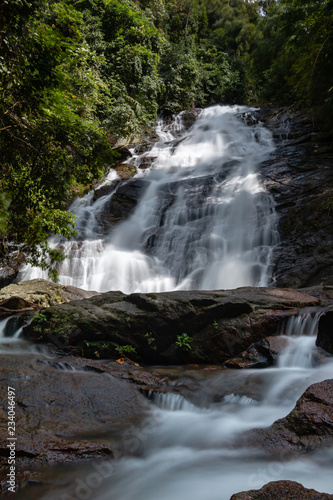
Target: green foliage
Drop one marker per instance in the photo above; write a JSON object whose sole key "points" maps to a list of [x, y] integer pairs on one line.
{"points": [[126, 350], [75, 73], [295, 53], [184, 342], [39, 320], [149, 337]]}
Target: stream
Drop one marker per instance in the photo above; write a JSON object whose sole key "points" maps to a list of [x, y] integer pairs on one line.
{"points": [[197, 451]]}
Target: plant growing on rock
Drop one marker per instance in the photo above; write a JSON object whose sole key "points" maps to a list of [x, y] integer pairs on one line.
{"points": [[38, 321], [184, 342]]}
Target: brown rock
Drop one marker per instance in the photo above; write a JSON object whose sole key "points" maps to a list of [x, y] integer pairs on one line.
{"points": [[260, 354], [282, 490], [65, 414], [307, 427], [126, 170]]}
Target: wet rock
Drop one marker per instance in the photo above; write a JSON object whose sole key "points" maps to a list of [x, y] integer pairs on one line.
{"points": [[123, 202], [171, 327], [39, 292], [189, 117], [142, 148], [65, 415], [105, 190], [125, 170], [147, 161], [307, 427], [325, 332], [260, 354], [282, 490], [299, 175]]}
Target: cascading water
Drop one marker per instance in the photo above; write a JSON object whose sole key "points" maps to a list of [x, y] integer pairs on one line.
{"points": [[203, 222], [197, 453]]}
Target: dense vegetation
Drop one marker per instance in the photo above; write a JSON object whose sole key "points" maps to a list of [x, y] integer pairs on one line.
{"points": [[76, 75]]}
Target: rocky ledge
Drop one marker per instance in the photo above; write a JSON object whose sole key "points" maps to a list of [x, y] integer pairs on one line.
{"points": [[173, 327], [37, 294]]}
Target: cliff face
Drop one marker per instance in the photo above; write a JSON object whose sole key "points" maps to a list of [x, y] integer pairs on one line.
{"points": [[299, 175]]}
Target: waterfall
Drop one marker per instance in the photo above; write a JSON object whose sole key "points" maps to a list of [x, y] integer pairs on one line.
{"points": [[204, 220], [301, 331]]}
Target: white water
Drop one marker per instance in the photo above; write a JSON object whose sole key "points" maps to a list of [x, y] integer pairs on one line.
{"points": [[203, 222], [190, 453], [186, 452]]}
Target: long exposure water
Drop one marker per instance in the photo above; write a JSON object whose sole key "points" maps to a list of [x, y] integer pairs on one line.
{"points": [[197, 452], [203, 221]]}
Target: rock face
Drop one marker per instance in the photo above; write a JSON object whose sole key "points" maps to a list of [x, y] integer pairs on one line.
{"points": [[171, 327], [65, 412], [325, 332], [299, 175], [282, 490], [307, 427]]}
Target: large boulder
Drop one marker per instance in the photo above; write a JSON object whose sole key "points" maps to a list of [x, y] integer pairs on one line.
{"points": [[282, 490], [307, 427], [65, 410], [171, 327], [122, 203]]}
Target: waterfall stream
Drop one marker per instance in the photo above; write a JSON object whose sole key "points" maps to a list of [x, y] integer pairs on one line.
{"points": [[203, 221], [196, 451]]}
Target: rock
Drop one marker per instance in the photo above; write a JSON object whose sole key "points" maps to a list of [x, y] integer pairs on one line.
{"points": [[188, 117], [282, 490], [11, 259], [307, 427], [299, 175], [122, 204], [105, 190], [147, 161], [39, 292], [15, 305], [125, 170], [65, 415], [150, 327], [144, 147], [260, 354], [325, 332]]}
